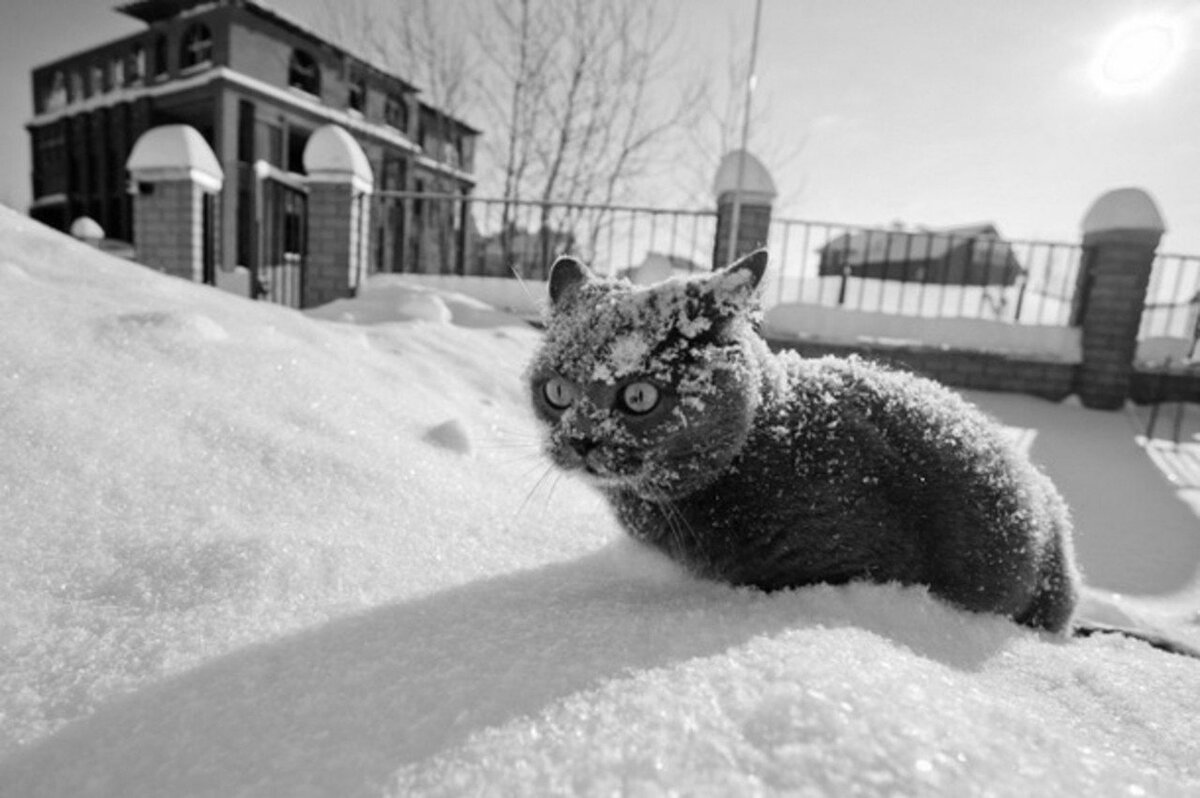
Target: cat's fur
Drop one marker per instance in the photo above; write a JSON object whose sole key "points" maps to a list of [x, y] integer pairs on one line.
{"points": [[775, 471]]}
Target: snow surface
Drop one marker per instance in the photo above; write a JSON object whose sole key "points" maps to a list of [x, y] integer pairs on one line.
{"points": [[251, 552]]}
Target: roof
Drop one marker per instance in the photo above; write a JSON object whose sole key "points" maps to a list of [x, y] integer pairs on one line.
{"points": [[450, 117], [151, 11]]}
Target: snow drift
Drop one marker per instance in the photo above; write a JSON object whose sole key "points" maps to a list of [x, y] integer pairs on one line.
{"points": [[250, 552]]}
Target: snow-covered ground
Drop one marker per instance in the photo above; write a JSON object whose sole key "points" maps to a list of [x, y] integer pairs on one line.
{"points": [[245, 551]]}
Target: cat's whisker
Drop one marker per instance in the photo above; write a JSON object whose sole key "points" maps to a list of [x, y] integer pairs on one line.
{"points": [[536, 485], [677, 525], [558, 475], [537, 463]]}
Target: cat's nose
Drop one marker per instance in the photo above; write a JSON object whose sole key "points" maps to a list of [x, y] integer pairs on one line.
{"points": [[583, 445]]}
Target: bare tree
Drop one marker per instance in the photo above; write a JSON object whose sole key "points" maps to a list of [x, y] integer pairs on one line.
{"points": [[424, 42], [574, 102], [718, 128]]}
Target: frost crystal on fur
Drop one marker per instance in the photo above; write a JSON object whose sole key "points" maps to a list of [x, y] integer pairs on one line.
{"points": [[777, 471]]}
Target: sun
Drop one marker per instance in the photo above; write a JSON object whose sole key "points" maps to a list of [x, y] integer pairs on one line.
{"points": [[1137, 55]]}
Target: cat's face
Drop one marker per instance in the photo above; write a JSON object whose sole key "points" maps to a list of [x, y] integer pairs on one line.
{"points": [[648, 389]]}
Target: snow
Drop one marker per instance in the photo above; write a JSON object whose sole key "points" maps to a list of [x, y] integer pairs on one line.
{"points": [[248, 551]]}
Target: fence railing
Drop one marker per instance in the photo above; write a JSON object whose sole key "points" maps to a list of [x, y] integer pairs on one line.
{"points": [[928, 274], [452, 234], [1172, 298], [965, 273]]}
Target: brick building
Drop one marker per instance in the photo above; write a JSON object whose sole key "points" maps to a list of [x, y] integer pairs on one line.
{"points": [[255, 85]]}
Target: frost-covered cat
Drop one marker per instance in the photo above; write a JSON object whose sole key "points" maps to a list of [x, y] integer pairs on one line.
{"points": [[777, 471]]}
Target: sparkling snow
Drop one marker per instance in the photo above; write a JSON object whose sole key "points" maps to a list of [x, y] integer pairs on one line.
{"points": [[248, 551]]}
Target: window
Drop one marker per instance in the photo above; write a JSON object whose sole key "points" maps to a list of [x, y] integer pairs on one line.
{"points": [[160, 57], [196, 48], [245, 134], [116, 72], [97, 79], [296, 139], [303, 72], [358, 93], [395, 112], [394, 172], [75, 88], [135, 65], [269, 142], [56, 95]]}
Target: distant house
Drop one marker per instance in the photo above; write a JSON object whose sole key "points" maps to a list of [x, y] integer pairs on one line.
{"points": [[658, 266], [256, 85], [973, 255]]}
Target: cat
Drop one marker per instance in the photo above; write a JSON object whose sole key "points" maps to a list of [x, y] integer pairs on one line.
{"points": [[775, 471]]}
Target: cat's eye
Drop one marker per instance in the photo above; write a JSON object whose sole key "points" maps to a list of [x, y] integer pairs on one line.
{"points": [[559, 393], [639, 397]]}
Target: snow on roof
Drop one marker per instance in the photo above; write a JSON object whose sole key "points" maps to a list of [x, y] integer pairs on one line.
{"points": [[172, 151], [1124, 209], [331, 153], [756, 181]]}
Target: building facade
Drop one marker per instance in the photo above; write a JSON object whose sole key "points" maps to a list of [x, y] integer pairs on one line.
{"points": [[255, 85]]}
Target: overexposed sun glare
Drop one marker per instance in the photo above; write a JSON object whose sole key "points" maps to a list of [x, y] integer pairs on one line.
{"points": [[1137, 55]]}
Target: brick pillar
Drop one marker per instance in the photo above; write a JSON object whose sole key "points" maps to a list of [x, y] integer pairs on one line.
{"points": [[340, 183], [1121, 232], [338, 216], [741, 176], [172, 172], [168, 229]]}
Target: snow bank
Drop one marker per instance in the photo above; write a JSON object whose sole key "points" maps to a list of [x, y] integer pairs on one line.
{"points": [[250, 552]]}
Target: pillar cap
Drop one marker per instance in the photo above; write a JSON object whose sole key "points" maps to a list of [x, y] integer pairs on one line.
{"points": [[1124, 209], [757, 185], [175, 152], [332, 155]]}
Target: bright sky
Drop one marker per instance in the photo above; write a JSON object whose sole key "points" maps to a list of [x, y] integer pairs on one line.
{"points": [[937, 112]]}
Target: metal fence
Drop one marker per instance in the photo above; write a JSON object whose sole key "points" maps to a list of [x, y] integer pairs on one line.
{"points": [[452, 234], [1172, 298], [963, 274]]}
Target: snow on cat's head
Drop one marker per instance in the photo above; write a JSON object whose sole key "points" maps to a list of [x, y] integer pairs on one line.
{"points": [[647, 388]]}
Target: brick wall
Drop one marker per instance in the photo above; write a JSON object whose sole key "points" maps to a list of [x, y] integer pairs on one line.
{"points": [[960, 369], [754, 223]]}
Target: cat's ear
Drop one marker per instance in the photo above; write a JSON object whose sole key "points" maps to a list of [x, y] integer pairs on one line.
{"points": [[566, 276], [740, 279]]}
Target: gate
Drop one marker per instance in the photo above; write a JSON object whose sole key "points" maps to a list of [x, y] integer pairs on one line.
{"points": [[283, 238]]}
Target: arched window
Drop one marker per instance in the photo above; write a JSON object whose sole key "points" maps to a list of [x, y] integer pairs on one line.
{"points": [[303, 72], [196, 46], [160, 57], [395, 112]]}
